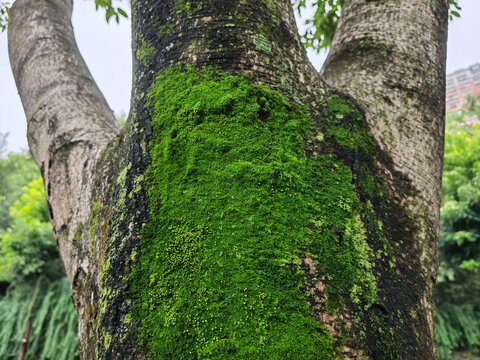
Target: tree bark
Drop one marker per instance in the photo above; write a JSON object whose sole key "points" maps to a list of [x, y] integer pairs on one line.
{"points": [[343, 263], [390, 56], [69, 123]]}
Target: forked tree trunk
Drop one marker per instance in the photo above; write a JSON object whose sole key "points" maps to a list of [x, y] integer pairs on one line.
{"points": [[247, 209]]}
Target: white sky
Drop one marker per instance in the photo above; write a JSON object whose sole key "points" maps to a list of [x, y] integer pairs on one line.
{"points": [[106, 49]]}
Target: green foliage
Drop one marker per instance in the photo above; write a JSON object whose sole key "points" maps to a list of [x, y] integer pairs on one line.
{"points": [[53, 333], [321, 29], [27, 247], [454, 6], [4, 8], [30, 264], [235, 206], [460, 232], [16, 171], [121, 120], [110, 11], [458, 327], [459, 285]]}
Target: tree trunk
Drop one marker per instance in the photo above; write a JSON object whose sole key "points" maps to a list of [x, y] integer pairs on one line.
{"points": [[247, 209]]}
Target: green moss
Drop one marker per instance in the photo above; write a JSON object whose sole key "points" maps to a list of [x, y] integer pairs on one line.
{"points": [[339, 106], [166, 29], [146, 52], [93, 220], [105, 292], [368, 184], [262, 44], [347, 126], [77, 236], [123, 174], [233, 199], [107, 340], [104, 268], [389, 343], [185, 7]]}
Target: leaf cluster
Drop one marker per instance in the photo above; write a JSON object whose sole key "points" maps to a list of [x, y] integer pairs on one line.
{"points": [[321, 28], [454, 8], [27, 247], [53, 333], [4, 8], [16, 171], [460, 216], [110, 11], [32, 278]]}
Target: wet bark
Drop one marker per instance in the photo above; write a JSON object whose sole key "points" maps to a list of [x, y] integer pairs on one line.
{"points": [[387, 62]]}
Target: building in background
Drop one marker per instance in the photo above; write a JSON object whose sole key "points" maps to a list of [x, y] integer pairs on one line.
{"points": [[461, 84]]}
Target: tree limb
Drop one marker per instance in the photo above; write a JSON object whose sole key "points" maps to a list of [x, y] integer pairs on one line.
{"points": [[69, 121], [390, 56]]}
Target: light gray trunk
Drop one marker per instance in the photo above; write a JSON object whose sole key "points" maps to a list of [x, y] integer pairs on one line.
{"points": [[391, 57]]}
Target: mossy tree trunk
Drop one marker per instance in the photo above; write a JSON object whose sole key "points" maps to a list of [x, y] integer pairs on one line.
{"points": [[251, 208]]}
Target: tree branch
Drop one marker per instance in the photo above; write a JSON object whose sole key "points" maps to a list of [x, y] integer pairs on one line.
{"points": [[390, 56], [69, 121]]}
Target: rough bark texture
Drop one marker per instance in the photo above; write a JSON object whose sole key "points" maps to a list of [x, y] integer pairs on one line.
{"points": [[390, 56], [69, 123], [355, 250]]}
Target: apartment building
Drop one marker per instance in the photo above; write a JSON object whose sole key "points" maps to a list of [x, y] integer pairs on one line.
{"points": [[460, 84]]}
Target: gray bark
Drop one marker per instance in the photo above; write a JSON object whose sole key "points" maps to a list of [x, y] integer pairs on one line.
{"points": [[390, 56], [69, 124], [69, 121]]}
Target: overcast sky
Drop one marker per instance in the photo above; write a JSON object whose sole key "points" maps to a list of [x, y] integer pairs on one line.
{"points": [[106, 49]]}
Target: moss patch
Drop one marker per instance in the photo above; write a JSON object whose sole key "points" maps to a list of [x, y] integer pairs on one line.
{"points": [[347, 128], [183, 7], [146, 52], [93, 220], [77, 236], [262, 44], [235, 203]]}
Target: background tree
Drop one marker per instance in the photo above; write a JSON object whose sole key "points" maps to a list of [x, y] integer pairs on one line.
{"points": [[458, 313], [16, 171], [247, 209], [34, 292]]}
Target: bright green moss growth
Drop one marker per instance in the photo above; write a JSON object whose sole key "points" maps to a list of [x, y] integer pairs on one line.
{"points": [[235, 205], [93, 220], [146, 52], [346, 127], [185, 7], [77, 236]]}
